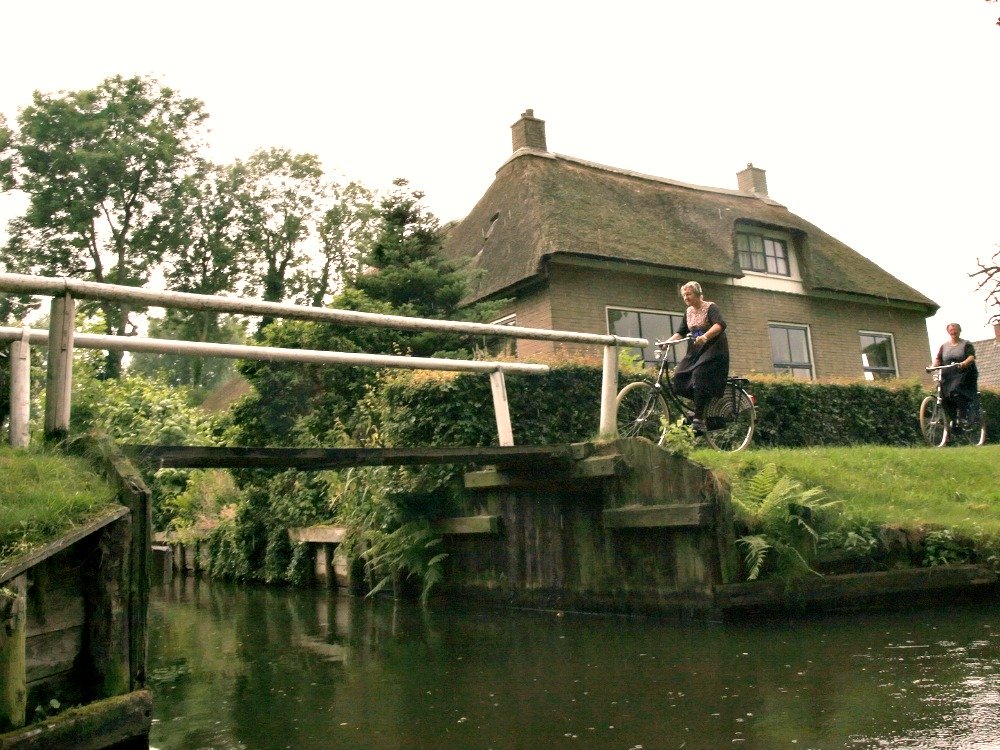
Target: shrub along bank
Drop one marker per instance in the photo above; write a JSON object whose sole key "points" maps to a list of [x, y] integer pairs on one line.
{"points": [[387, 509]]}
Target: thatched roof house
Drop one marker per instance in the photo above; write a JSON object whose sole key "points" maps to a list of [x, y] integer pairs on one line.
{"points": [[581, 246], [988, 360]]}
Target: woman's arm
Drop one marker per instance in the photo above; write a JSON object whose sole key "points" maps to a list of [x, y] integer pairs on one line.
{"points": [[970, 357], [708, 335]]}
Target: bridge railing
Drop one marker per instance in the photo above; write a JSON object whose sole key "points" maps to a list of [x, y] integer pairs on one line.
{"points": [[61, 340]]}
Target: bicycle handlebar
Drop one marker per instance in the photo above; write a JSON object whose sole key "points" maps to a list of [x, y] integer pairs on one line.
{"points": [[941, 367], [675, 342]]}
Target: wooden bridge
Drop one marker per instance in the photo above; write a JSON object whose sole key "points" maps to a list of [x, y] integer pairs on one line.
{"points": [[317, 459]]}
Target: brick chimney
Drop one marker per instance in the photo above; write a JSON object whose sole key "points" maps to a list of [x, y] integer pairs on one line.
{"points": [[752, 180], [528, 132]]}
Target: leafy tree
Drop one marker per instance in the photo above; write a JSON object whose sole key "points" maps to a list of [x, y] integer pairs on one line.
{"points": [[98, 166], [988, 277], [207, 256], [6, 155], [200, 374], [346, 232], [278, 194]]}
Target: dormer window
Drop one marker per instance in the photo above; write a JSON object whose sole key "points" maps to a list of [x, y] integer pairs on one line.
{"points": [[763, 252]]}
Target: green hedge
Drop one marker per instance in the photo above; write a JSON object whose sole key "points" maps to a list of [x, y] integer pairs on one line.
{"points": [[563, 406]]}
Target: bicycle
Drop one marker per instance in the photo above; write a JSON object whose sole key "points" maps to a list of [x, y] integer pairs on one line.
{"points": [[644, 408], [938, 430]]}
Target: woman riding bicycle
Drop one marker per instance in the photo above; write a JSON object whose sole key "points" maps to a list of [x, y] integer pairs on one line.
{"points": [[702, 374], [959, 384]]}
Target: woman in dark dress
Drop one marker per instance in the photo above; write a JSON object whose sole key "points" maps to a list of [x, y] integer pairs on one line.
{"points": [[958, 385], [701, 375]]}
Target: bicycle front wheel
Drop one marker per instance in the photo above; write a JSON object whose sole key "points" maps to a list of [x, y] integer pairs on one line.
{"points": [[730, 420], [642, 412], [933, 422]]}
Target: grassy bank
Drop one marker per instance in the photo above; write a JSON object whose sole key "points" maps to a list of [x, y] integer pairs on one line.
{"points": [[956, 488], [45, 494]]}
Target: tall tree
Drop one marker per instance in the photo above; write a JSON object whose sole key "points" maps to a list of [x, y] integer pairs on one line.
{"points": [[405, 267], [98, 165], [6, 155], [346, 231], [278, 194], [207, 255]]}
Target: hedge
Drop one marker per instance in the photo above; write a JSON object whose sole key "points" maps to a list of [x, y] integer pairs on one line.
{"points": [[563, 406]]}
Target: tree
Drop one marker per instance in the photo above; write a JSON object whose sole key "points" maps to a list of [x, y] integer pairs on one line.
{"points": [[98, 166], [207, 256], [6, 155], [346, 231], [277, 194], [988, 278]]}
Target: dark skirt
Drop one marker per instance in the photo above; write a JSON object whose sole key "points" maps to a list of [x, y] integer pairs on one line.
{"points": [[702, 372]]}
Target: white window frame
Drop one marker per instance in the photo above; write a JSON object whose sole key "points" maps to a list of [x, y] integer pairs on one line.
{"points": [[869, 371], [771, 234], [809, 347], [506, 320]]}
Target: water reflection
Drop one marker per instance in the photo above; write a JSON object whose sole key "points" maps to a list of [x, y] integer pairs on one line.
{"points": [[253, 668]]}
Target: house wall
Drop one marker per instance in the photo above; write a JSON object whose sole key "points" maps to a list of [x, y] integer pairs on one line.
{"points": [[533, 310], [578, 298]]}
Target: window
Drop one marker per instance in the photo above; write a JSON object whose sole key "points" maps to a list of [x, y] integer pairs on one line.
{"points": [[878, 358], [498, 346], [762, 254], [790, 350], [646, 324]]}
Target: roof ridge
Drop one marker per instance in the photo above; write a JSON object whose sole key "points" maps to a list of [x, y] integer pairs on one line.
{"points": [[527, 151]]}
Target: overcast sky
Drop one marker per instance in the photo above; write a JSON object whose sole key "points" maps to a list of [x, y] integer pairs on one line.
{"points": [[875, 120]]}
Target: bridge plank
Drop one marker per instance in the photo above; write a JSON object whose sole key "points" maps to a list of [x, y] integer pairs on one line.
{"points": [[201, 457], [650, 516], [468, 525]]}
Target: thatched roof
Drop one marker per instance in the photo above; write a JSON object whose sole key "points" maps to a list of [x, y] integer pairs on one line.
{"points": [[547, 204], [988, 362]]}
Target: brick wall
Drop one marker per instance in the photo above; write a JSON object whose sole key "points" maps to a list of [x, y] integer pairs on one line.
{"points": [[579, 298]]}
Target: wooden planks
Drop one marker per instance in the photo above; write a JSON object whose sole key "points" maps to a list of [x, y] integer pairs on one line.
{"points": [[22, 564], [199, 457], [651, 516]]}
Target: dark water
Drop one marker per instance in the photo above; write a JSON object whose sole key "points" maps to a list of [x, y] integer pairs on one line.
{"points": [[250, 668]]}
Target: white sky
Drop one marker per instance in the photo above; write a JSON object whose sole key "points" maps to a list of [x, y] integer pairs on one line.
{"points": [[875, 120]]}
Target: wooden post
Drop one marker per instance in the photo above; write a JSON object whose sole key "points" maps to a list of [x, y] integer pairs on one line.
{"points": [[13, 624], [609, 394], [107, 626], [59, 375], [20, 391], [501, 407]]}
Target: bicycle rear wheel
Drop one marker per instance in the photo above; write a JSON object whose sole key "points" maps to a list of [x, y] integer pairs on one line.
{"points": [[730, 420], [970, 432], [933, 422], [642, 412]]}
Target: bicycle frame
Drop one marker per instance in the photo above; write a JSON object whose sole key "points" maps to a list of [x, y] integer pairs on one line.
{"points": [[728, 420], [963, 430]]}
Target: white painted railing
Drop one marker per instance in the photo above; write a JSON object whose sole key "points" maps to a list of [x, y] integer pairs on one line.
{"points": [[61, 340]]}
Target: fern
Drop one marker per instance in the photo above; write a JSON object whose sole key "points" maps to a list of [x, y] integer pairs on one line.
{"points": [[756, 553], [782, 517]]}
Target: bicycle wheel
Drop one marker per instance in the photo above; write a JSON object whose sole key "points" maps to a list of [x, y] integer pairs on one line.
{"points": [[642, 412], [730, 420], [970, 432], [933, 422]]}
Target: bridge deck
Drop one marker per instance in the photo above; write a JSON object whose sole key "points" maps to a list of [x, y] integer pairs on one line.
{"points": [[197, 457]]}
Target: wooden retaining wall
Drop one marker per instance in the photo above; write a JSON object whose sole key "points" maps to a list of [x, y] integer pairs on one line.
{"points": [[73, 631]]}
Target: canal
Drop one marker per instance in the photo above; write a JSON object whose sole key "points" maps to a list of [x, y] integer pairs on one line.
{"points": [[236, 667]]}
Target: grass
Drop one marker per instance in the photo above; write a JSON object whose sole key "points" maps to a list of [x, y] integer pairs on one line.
{"points": [[43, 495], [955, 488]]}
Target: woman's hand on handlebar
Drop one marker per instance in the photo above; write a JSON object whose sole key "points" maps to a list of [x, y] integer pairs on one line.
{"points": [[672, 342]]}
